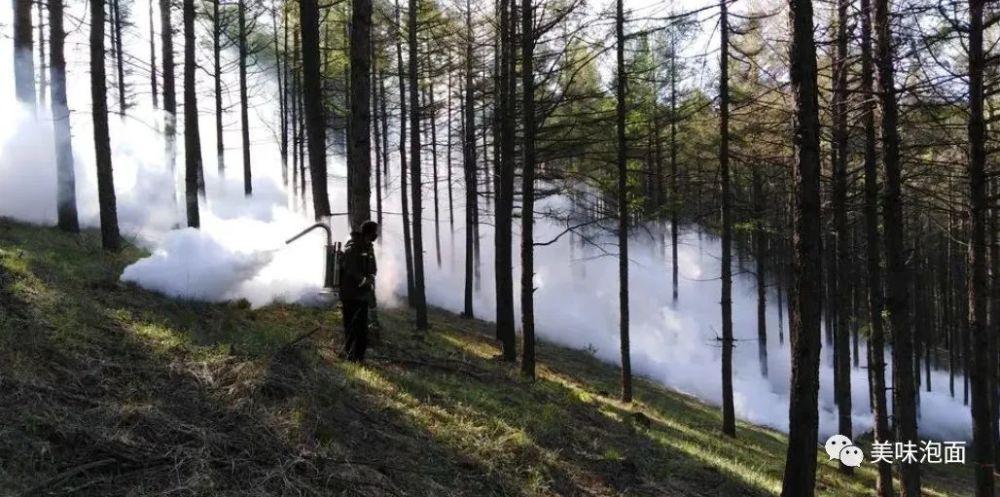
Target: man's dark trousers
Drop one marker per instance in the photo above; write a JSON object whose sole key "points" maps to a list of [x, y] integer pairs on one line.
{"points": [[355, 329]]}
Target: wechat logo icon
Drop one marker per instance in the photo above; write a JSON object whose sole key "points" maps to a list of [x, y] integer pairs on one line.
{"points": [[842, 449]]}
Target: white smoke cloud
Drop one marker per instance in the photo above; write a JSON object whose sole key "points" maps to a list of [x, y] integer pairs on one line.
{"points": [[239, 252]]}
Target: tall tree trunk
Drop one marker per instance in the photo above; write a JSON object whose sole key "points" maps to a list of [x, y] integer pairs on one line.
{"points": [[897, 272], [503, 260], [760, 247], [312, 94], [674, 201], [377, 138], [982, 364], [800, 463], [282, 74], [728, 411], [65, 174], [419, 298], [359, 158], [110, 238], [24, 60], [119, 56], [152, 60], [469, 165], [385, 133], [244, 111], [432, 121], [622, 159], [169, 84], [528, 191], [842, 364], [451, 203], [403, 193], [220, 149], [192, 138], [42, 81], [873, 256]]}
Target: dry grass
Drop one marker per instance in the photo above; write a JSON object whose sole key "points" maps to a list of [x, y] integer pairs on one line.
{"points": [[107, 389]]}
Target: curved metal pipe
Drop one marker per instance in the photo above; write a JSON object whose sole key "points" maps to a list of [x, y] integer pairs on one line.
{"points": [[324, 226]]}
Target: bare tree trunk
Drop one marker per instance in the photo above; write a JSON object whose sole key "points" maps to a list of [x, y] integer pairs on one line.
{"points": [[377, 132], [419, 298], [622, 159], [897, 274], [312, 93], [66, 176], [528, 191], [469, 163], [842, 364], [24, 60], [760, 247], [192, 138], [982, 364], [876, 339], [403, 193], [674, 201], [728, 410], [451, 203], [220, 149], [359, 158], [800, 463], [152, 60], [169, 84], [119, 56], [42, 81], [504, 206], [282, 74], [432, 120], [244, 111], [110, 238]]}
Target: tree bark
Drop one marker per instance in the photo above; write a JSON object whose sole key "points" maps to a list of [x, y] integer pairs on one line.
{"points": [[152, 60], [504, 206], [760, 247], [979, 294], [873, 256], [220, 153], [674, 201], [66, 176], [359, 158], [313, 106], [622, 161], [110, 238], [897, 274], [377, 138], [842, 364], [469, 163], [800, 463], [192, 138], [169, 83], [119, 56], [728, 410], [419, 298], [403, 193], [244, 104], [24, 61], [528, 191]]}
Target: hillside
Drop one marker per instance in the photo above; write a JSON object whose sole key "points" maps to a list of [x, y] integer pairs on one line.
{"points": [[108, 389]]}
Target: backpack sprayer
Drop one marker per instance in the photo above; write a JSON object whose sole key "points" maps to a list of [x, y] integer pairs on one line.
{"points": [[331, 271]]}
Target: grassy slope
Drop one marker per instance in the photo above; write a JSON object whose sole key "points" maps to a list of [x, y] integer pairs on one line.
{"points": [[107, 389]]}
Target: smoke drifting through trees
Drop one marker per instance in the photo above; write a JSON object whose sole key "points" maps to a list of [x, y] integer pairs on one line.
{"points": [[541, 84]]}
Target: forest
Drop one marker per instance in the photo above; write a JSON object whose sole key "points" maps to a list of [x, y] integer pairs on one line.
{"points": [[786, 212]]}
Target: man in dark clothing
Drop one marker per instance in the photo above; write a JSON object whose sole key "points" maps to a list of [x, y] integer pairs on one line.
{"points": [[357, 289]]}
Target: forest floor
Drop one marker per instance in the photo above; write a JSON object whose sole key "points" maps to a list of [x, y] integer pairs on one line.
{"points": [[109, 389]]}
